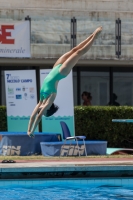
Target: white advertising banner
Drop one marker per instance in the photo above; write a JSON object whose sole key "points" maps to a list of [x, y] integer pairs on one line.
{"points": [[64, 99], [15, 39], [21, 98]]}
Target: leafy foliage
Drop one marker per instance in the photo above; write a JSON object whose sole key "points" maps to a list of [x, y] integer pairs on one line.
{"points": [[3, 119], [96, 123]]}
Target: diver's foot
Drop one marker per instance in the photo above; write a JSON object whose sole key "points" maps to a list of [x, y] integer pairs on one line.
{"points": [[99, 29]]}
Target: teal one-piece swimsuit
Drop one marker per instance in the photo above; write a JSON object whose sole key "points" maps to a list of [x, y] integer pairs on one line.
{"points": [[49, 83]]}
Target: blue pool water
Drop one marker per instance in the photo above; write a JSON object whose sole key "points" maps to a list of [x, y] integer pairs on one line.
{"points": [[74, 189]]}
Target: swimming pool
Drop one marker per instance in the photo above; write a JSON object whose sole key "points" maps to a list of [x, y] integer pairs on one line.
{"points": [[66, 189]]}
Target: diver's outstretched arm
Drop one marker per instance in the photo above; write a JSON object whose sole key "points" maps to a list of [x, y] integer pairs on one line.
{"points": [[33, 115], [43, 110]]}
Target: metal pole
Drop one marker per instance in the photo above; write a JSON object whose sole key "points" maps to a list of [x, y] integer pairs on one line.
{"points": [[73, 44], [73, 32], [78, 86], [29, 19], [119, 34], [38, 82], [118, 37], [111, 85]]}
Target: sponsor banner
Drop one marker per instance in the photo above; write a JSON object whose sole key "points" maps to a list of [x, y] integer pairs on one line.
{"points": [[15, 39], [21, 98], [64, 100]]}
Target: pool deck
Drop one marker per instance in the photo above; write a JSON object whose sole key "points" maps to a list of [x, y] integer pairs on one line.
{"points": [[122, 167]]}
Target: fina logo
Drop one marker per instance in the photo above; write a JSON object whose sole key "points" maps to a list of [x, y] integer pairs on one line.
{"points": [[18, 89], [15, 79]]}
